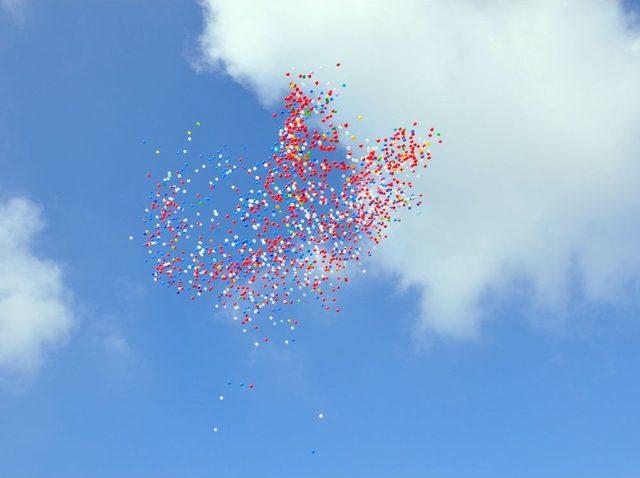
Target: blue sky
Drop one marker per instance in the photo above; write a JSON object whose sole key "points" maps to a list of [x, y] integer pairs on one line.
{"points": [[134, 391]]}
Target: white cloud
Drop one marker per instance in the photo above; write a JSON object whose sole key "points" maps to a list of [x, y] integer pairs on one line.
{"points": [[540, 105], [35, 313]]}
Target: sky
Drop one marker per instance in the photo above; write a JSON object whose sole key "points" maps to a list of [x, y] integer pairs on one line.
{"points": [[495, 334]]}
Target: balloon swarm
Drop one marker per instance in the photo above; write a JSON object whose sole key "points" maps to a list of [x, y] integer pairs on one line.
{"points": [[257, 236]]}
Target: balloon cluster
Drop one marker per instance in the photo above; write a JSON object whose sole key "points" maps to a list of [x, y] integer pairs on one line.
{"points": [[292, 223]]}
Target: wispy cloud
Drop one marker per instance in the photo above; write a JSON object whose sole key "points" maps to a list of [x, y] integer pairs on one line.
{"points": [[35, 310], [13, 7], [539, 101]]}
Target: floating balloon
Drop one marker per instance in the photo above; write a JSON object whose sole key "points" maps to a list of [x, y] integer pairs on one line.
{"points": [[260, 236]]}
